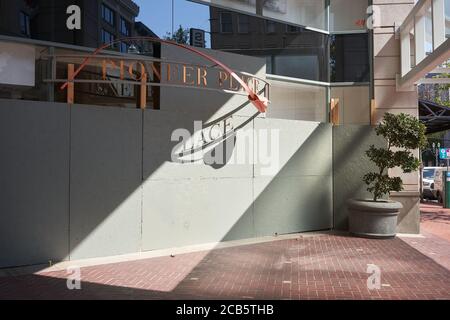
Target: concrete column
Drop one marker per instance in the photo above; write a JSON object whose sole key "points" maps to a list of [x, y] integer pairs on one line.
{"points": [[438, 23], [392, 56]]}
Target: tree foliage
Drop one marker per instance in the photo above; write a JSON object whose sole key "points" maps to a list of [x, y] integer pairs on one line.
{"points": [[180, 36], [403, 134]]}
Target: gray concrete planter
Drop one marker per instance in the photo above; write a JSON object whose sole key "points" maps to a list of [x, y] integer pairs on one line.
{"points": [[370, 219]]}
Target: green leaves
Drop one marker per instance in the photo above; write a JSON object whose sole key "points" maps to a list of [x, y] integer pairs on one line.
{"points": [[382, 184], [403, 132]]}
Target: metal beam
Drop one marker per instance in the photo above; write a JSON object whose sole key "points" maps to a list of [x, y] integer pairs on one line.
{"points": [[441, 70], [440, 55], [405, 40], [418, 9], [434, 81], [420, 38]]}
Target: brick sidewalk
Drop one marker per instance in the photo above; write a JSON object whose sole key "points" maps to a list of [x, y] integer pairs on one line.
{"points": [[435, 220], [319, 267]]}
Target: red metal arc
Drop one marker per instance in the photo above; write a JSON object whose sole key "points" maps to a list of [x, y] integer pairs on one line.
{"points": [[260, 103]]}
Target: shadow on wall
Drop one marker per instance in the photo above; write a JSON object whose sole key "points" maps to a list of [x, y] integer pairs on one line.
{"points": [[177, 205], [90, 181], [350, 164]]}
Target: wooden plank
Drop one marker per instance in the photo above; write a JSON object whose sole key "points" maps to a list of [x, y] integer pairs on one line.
{"points": [[373, 112], [71, 85], [143, 92], [334, 113]]}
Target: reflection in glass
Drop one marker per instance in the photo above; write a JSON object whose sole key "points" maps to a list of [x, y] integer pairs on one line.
{"points": [[349, 58], [297, 101], [307, 13], [348, 15], [289, 50]]}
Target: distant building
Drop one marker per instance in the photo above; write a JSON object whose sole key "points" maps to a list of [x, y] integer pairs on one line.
{"points": [[103, 21], [146, 47]]}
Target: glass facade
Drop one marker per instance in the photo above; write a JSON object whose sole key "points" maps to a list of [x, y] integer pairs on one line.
{"points": [[311, 13], [289, 50], [24, 20], [313, 48], [297, 101], [303, 42], [348, 15], [349, 58]]}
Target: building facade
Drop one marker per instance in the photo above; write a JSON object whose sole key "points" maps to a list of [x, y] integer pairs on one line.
{"points": [[103, 177], [103, 21]]}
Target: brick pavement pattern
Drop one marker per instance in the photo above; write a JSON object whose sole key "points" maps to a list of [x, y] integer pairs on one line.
{"points": [[319, 267], [435, 220]]}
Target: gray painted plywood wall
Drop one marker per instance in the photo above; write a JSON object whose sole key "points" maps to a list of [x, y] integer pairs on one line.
{"points": [[34, 182], [90, 181], [350, 164], [105, 181]]}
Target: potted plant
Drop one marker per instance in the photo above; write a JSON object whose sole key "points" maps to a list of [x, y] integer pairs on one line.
{"points": [[377, 217]]}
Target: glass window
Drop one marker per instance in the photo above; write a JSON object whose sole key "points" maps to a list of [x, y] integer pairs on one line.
{"points": [[297, 66], [292, 29], [349, 58], [428, 174], [24, 23], [107, 37], [270, 26], [226, 22], [293, 51], [108, 15], [297, 101], [124, 47], [348, 15], [124, 27], [243, 23], [308, 13]]}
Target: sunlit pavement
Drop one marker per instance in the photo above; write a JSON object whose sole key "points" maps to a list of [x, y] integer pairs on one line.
{"points": [[435, 220], [318, 267], [435, 227]]}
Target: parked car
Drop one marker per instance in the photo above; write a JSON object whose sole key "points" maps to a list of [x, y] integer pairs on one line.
{"points": [[432, 184]]}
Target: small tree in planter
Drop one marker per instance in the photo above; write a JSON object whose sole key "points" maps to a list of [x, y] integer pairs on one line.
{"points": [[377, 217]]}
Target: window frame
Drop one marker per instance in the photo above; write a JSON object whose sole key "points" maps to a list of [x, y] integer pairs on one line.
{"points": [[221, 14], [111, 16], [24, 23], [266, 26], [240, 16], [112, 37], [121, 46], [125, 23]]}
